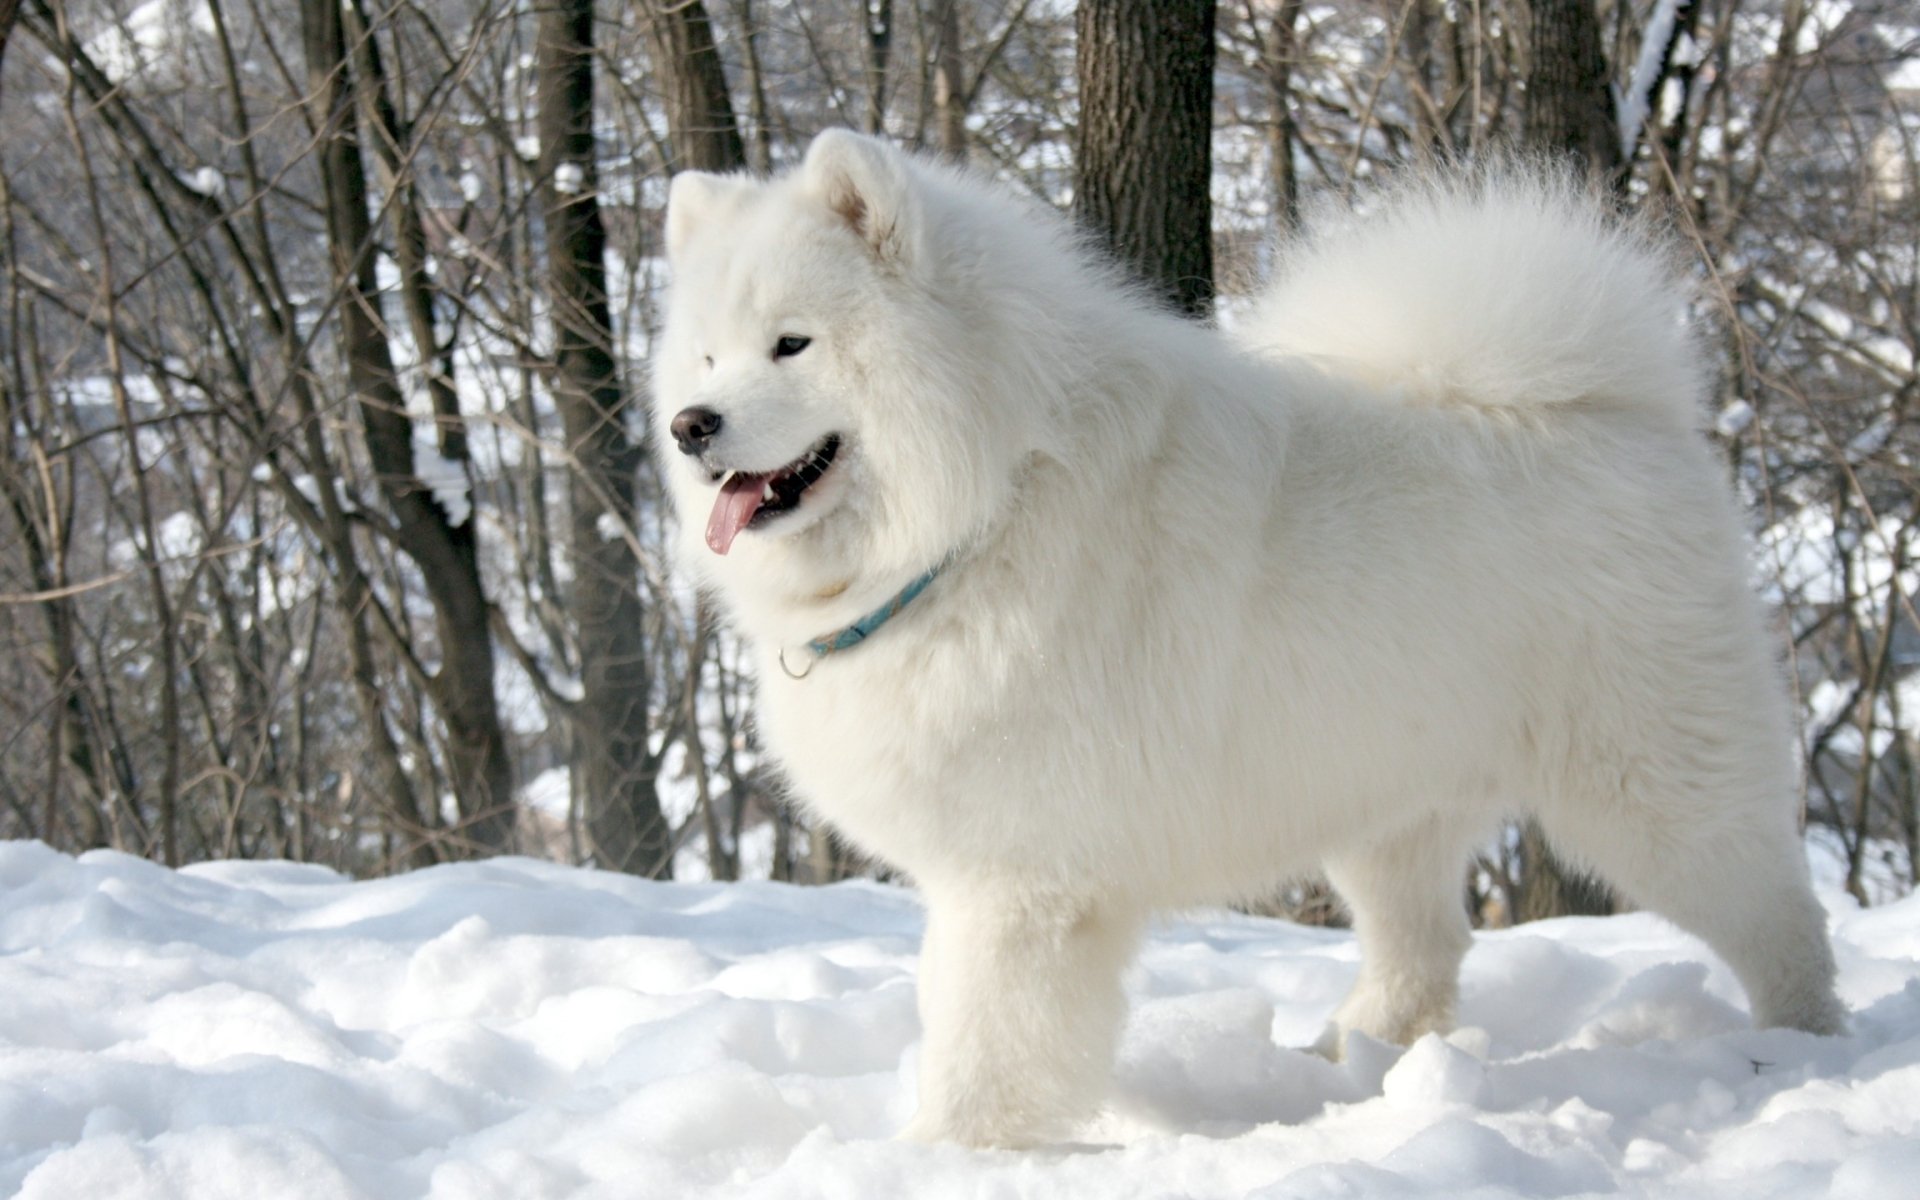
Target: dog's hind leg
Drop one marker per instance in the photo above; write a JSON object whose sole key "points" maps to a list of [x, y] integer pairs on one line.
{"points": [[1020, 1007], [1732, 873], [1408, 899]]}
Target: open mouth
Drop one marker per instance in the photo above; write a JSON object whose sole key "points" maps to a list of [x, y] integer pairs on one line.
{"points": [[748, 500]]}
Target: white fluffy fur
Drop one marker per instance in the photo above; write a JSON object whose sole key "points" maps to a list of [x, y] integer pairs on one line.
{"points": [[1442, 547], [1499, 289]]}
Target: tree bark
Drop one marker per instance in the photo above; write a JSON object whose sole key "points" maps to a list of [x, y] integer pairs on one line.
{"points": [[949, 80], [700, 119], [613, 770], [1143, 149], [1570, 112]]}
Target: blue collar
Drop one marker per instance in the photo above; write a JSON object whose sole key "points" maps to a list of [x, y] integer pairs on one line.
{"points": [[852, 635]]}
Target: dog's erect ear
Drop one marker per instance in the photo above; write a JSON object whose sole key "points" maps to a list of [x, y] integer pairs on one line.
{"points": [[864, 181], [697, 200]]}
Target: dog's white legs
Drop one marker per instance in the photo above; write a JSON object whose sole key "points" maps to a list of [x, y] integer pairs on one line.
{"points": [[1734, 875], [1407, 895], [1021, 1004]]}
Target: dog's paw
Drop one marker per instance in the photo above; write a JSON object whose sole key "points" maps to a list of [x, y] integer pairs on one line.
{"points": [[1331, 1044]]}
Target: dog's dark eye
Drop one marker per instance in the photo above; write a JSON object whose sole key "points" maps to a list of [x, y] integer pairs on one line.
{"points": [[790, 345]]}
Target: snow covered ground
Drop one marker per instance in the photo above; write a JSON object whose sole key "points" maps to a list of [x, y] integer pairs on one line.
{"points": [[517, 1029]]}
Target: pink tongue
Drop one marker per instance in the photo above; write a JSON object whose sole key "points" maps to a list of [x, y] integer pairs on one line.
{"points": [[739, 499]]}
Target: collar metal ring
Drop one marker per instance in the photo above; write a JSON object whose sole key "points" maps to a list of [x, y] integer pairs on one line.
{"points": [[791, 673]]}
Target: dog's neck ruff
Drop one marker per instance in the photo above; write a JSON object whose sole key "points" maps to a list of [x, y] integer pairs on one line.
{"points": [[852, 635]]}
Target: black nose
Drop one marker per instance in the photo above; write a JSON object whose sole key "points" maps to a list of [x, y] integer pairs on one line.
{"points": [[694, 427]]}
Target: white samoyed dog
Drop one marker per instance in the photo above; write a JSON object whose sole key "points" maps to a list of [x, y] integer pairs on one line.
{"points": [[1075, 610]]}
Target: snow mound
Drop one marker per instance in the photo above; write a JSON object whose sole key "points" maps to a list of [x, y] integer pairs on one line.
{"points": [[518, 1029]]}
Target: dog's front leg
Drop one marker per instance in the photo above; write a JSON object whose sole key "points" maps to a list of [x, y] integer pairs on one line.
{"points": [[1020, 1005]]}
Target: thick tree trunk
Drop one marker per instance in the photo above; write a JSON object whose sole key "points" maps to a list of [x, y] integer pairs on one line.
{"points": [[1570, 109], [1143, 149], [613, 771], [700, 119]]}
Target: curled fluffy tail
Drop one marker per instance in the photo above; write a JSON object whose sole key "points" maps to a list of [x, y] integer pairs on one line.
{"points": [[1502, 288]]}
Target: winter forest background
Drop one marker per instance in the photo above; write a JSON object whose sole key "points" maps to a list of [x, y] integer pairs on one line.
{"points": [[326, 529]]}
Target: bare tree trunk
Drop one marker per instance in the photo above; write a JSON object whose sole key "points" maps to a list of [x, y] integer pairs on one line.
{"points": [[723, 853], [1872, 666], [446, 553], [1143, 149], [613, 769], [949, 80], [390, 138], [1570, 110], [394, 789], [34, 501], [700, 119], [759, 119], [9, 15], [1673, 136], [1282, 48], [167, 797], [878, 15]]}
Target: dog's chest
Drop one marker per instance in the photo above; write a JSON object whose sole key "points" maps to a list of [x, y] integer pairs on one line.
{"points": [[849, 727], [908, 757]]}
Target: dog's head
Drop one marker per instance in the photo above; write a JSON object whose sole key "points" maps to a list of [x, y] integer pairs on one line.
{"points": [[831, 405]]}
